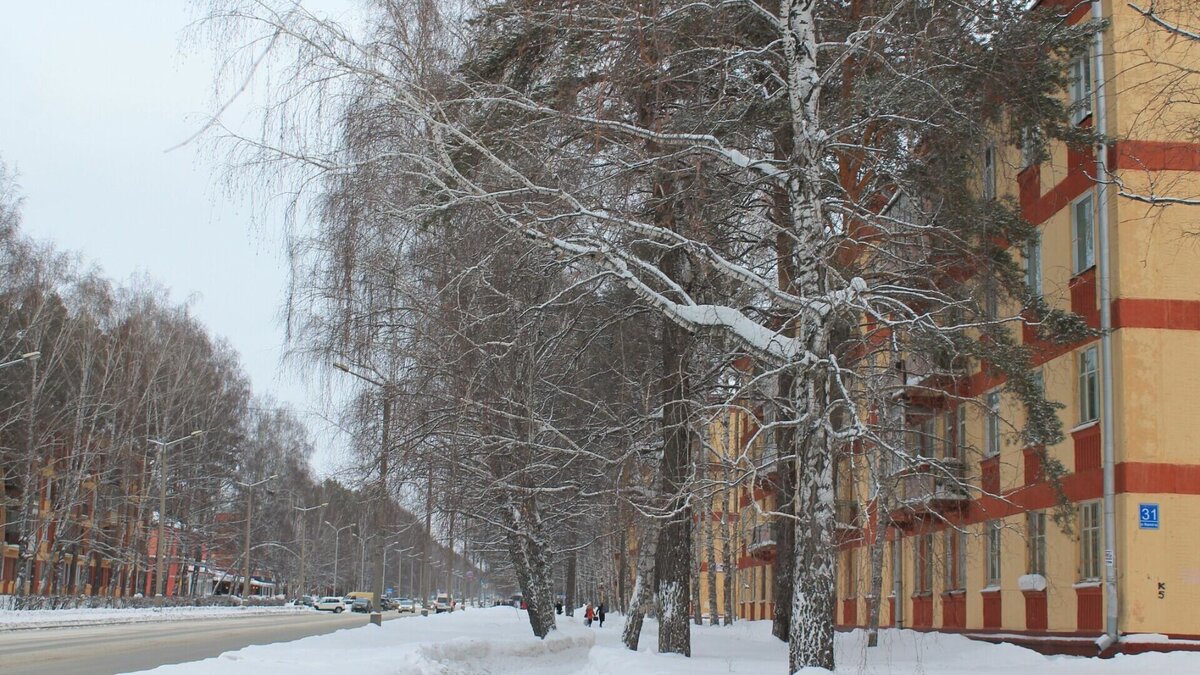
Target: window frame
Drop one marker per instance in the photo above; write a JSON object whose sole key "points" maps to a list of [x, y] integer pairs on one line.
{"points": [[993, 552], [955, 543], [1090, 541], [1088, 365], [1033, 264], [1035, 538], [1083, 249], [923, 565], [991, 424], [1081, 87]]}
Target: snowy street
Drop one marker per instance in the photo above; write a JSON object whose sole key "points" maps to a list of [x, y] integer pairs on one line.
{"points": [[498, 640], [130, 645]]}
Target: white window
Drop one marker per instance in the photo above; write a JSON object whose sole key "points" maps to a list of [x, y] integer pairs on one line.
{"points": [[1081, 87], [923, 564], [1089, 541], [989, 172], [992, 552], [949, 437], [925, 437], [1089, 386], [1035, 538], [956, 559], [1033, 265], [992, 424], [1083, 234], [1029, 142]]}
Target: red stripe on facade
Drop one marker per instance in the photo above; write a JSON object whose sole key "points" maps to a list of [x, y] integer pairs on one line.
{"points": [[1156, 313], [1155, 156]]}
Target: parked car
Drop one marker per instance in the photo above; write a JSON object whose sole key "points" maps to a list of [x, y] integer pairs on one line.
{"points": [[331, 603], [406, 605], [361, 605]]}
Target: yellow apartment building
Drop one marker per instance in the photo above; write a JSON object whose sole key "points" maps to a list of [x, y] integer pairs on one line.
{"points": [[992, 561]]}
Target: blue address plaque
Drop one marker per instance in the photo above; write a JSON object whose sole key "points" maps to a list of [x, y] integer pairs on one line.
{"points": [[1148, 516]]}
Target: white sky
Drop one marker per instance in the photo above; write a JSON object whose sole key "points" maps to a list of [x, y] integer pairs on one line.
{"points": [[91, 95]]}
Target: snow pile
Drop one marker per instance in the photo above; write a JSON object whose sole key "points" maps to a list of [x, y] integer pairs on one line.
{"points": [[11, 619], [499, 640]]}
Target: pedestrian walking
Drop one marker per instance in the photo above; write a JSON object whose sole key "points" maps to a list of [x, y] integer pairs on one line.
{"points": [[589, 614], [600, 611]]}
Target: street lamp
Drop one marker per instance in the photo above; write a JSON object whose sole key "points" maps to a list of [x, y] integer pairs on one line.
{"points": [[381, 496], [400, 570], [249, 515], [303, 560], [162, 506], [337, 538], [24, 358]]}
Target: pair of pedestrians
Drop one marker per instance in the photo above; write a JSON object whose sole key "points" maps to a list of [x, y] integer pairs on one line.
{"points": [[594, 614]]}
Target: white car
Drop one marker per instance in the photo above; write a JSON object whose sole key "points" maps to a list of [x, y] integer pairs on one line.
{"points": [[331, 603], [406, 605]]}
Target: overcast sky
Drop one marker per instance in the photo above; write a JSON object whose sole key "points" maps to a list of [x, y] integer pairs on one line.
{"points": [[91, 95]]}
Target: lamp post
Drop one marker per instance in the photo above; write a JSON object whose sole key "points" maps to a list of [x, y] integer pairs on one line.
{"points": [[387, 388], [249, 516], [27, 357], [303, 560], [337, 538], [162, 508], [400, 569]]}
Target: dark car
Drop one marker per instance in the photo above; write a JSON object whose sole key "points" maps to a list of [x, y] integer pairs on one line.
{"points": [[387, 604], [361, 605]]}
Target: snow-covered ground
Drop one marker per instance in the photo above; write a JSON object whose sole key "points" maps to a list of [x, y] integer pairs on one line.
{"points": [[498, 640], [49, 618]]}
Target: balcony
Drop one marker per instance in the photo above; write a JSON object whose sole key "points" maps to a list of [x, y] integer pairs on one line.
{"points": [[762, 541], [936, 487]]}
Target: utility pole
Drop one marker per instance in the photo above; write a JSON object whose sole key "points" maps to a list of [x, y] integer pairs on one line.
{"points": [[387, 389], [159, 549], [303, 544], [249, 517], [337, 538]]}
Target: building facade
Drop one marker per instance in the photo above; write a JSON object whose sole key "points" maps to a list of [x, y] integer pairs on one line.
{"points": [[1013, 556]]}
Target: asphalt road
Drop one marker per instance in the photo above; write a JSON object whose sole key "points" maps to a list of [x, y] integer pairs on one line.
{"points": [[105, 650]]}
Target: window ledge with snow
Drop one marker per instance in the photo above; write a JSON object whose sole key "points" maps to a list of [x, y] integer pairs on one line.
{"points": [[1032, 582]]}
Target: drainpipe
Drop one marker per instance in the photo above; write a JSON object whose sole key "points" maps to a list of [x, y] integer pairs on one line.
{"points": [[1104, 280]]}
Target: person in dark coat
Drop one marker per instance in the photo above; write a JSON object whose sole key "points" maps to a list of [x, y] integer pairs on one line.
{"points": [[558, 606], [600, 611]]}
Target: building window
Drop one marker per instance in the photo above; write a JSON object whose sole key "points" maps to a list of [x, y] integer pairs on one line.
{"points": [[956, 559], [949, 435], [1084, 249], [1081, 87], [1033, 265], [924, 438], [992, 423], [1089, 541], [923, 564], [1030, 136], [1089, 386], [850, 575], [989, 172], [992, 551], [1035, 537]]}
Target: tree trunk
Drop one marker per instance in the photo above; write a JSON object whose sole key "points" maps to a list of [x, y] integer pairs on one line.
{"points": [[785, 531], [642, 583], [697, 614], [671, 567], [729, 534], [810, 638], [710, 546], [876, 593], [572, 577]]}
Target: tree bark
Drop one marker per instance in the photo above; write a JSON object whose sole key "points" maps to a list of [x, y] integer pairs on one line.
{"points": [[711, 558], [672, 568], [642, 584]]}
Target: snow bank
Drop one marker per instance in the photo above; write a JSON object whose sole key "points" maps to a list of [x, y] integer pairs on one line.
{"points": [[498, 640], [13, 619]]}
